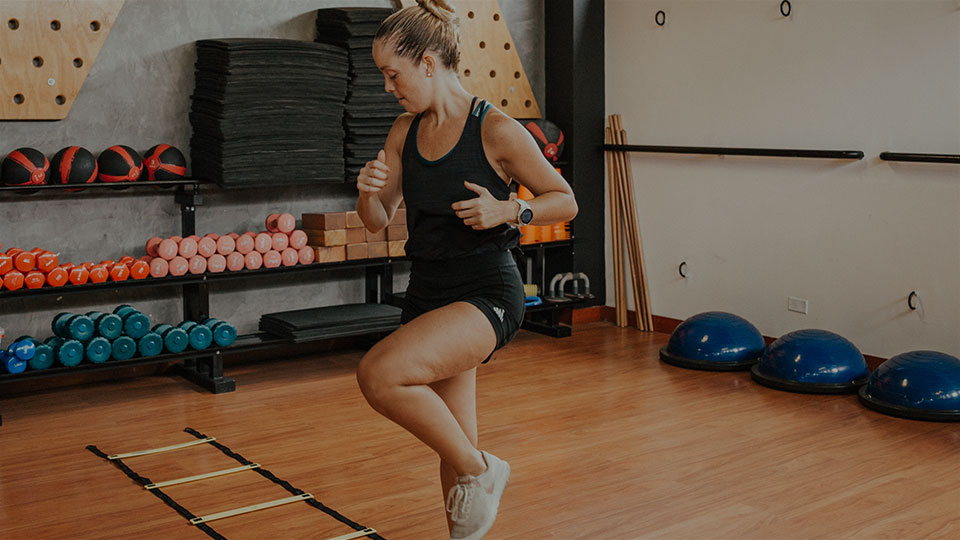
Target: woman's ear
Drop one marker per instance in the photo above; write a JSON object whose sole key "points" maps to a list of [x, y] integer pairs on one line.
{"points": [[430, 64]]}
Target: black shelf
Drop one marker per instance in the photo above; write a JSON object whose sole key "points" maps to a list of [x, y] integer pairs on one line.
{"points": [[194, 279], [244, 343], [756, 152], [115, 187], [921, 158]]}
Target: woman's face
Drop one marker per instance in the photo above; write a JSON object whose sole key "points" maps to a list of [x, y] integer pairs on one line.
{"points": [[403, 78]]}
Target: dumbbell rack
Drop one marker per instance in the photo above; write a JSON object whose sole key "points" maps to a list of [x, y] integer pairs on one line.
{"points": [[204, 368]]}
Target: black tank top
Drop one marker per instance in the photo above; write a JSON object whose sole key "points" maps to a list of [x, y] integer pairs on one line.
{"points": [[430, 187]]}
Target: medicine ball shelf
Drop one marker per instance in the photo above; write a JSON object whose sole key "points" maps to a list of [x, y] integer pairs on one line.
{"points": [[51, 189]]}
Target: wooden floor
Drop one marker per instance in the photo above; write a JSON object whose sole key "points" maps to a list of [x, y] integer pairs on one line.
{"points": [[605, 442]]}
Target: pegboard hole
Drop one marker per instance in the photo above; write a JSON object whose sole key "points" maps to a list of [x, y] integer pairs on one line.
{"points": [[483, 44], [470, 15], [55, 25], [506, 46], [60, 100], [13, 24], [37, 61], [466, 73], [78, 62], [18, 99], [503, 103], [527, 103], [95, 26], [496, 16], [516, 74], [493, 73]]}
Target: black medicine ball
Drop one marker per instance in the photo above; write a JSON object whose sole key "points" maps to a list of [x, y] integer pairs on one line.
{"points": [[119, 164], [163, 162], [73, 165], [25, 167], [548, 135]]}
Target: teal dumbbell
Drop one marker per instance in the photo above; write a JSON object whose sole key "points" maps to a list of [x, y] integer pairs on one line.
{"points": [[175, 340], [200, 336], [150, 344], [123, 348], [224, 333], [72, 326], [66, 352], [98, 350], [135, 324], [42, 356], [106, 325]]}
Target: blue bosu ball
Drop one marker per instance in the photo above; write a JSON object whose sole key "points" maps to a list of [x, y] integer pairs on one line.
{"points": [[812, 362], [921, 385], [714, 341]]}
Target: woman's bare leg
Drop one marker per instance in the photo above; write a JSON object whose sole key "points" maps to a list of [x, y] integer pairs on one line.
{"points": [[460, 394], [395, 377]]}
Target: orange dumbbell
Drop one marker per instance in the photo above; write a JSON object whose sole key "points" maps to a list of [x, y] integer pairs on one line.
{"points": [[79, 275], [271, 223], [57, 277], [119, 272], [99, 273], [34, 279], [13, 280], [47, 261], [298, 239], [226, 245], [289, 257], [139, 269], [188, 248], [253, 260]]}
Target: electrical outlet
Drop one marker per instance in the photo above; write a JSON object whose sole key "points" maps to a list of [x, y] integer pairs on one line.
{"points": [[797, 304]]}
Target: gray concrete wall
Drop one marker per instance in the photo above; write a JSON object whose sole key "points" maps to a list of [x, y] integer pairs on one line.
{"points": [[138, 94]]}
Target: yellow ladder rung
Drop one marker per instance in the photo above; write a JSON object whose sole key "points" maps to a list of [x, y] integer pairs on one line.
{"points": [[163, 449], [359, 534], [248, 509], [214, 474]]}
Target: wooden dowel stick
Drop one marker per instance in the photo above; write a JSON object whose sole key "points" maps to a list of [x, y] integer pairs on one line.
{"points": [[635, 227], [631, 240], [618, 282], [641, 296]]}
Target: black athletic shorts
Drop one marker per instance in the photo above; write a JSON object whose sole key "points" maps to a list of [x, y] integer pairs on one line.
{"points": [[490, 281]]}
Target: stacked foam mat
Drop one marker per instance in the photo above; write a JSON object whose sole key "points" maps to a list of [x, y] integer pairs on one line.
{"points": [[268, 112], [369, 110], [331, 321]]}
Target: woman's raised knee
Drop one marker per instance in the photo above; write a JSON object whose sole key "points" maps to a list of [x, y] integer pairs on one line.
{"points": [[375, 380]]}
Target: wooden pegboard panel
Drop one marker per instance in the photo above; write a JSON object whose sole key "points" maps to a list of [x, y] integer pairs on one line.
{"points": [[489, 64], [47, 48]]}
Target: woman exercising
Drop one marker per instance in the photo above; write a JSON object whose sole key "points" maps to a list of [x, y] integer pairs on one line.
{"points": [[451, 156]]}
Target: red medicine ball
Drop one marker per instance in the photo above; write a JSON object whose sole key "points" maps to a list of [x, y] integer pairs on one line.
{"points": [[163, 162], [119, 164], [25, 167], [73, 165], [549, 137]]}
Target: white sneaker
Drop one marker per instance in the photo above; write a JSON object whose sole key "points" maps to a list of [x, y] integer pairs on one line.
{"points": [[474, 500]]}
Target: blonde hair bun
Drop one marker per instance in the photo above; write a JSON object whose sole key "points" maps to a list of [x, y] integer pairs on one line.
{"points": [[438, 8]]}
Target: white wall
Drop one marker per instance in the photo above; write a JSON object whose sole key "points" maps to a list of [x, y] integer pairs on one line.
{"points": [[852, 237]]}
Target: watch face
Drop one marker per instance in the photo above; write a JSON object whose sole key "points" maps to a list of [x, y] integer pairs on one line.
{"points": [[526, 216]]}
